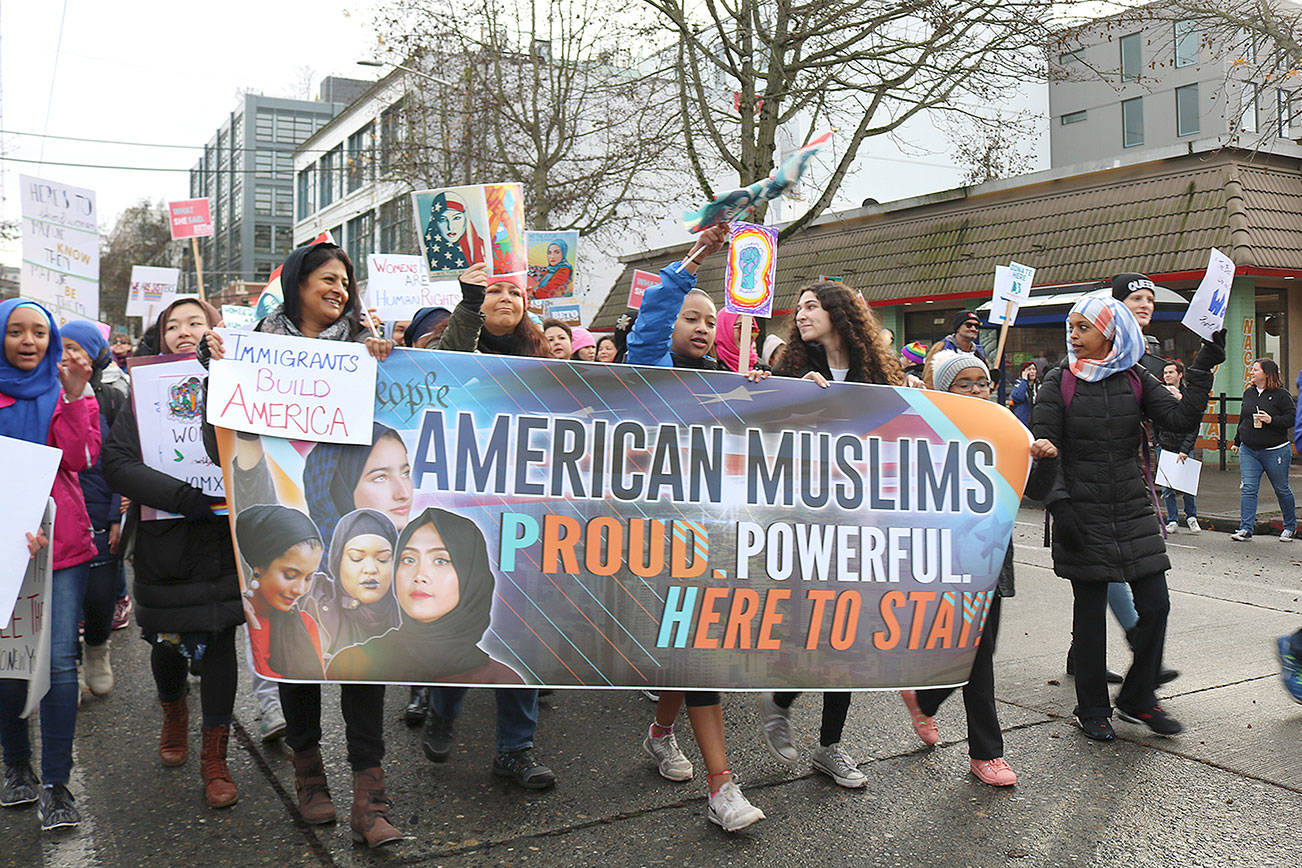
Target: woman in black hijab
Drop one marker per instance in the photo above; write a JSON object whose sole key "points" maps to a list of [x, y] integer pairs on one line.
{"points": [[355, 602], [444, 584]]}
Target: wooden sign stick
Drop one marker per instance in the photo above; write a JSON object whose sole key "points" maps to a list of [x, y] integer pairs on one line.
{"points": [[198, 266], [743, 364]]}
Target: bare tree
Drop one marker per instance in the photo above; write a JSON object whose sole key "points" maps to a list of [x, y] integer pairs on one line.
{"points": [[990, 152], [142, 235], [750, 68]]}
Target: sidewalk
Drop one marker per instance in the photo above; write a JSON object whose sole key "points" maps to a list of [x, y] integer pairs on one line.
{"points": [[1218, 497]]}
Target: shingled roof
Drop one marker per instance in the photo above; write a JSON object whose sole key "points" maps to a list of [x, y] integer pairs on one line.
{"points": [[1157, 216]]}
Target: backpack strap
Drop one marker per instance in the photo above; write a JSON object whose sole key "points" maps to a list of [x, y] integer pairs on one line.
{"points": [[1067, 386]]}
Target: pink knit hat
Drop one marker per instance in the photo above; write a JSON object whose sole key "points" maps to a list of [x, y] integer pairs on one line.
{"points": [[580, 338]]}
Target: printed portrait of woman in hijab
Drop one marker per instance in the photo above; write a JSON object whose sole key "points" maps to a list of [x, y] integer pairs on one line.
{"points": [[453, 224], [551, 263]]}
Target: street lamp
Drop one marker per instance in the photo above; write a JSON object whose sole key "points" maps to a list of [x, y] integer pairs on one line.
{"points": [[381, 64]]}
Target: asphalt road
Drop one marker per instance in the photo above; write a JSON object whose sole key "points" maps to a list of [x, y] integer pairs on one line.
{"points": [[1226, 792]]}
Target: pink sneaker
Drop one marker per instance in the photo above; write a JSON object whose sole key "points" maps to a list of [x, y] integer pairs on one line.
{"points": [[994, 772], [923, 725]]}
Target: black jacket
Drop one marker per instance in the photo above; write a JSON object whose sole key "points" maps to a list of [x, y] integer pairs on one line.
{"points": [[1105, 528], [1278, 403], [184, 570]]}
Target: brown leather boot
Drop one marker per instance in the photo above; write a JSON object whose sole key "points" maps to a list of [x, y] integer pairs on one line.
{"points": [[310, 783], [218, 787], [174, 743], [370, 817]]}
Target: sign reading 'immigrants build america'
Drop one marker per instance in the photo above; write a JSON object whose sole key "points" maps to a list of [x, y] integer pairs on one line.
{"points": [[569, 524]]}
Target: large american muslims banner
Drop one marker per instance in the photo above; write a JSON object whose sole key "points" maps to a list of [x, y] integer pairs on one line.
{"points": [[585, 525]]}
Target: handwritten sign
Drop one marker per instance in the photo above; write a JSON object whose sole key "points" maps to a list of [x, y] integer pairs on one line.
{"points": [[190, 218], [398, 285], [239, 316], [752, 266], [1020, 290], [151, 290], [25, 639], [29, 470], [642, 281], [298, 388], [60, 247], [1206, 313]]}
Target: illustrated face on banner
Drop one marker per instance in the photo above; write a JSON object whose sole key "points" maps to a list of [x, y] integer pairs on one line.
{"points": [[551, 264], [428, 587], [287, 577], [385, 482], [453, 224]]}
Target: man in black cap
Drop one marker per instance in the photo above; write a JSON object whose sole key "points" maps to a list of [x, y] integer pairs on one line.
{"points": [[1139, 293], [965, 325]]}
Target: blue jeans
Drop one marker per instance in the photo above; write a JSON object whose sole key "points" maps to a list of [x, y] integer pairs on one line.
{"points": [[1168, 501], [517, 713], [59, 706], [1121, 600], [1274, 463]]}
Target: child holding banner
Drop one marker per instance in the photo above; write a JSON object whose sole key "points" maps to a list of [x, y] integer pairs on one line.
{"points": [[185, 586], [676, 328], [44, 400]]}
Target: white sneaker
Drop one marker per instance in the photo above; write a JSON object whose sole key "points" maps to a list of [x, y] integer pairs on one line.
{"points": [[1241, 535], [839, 766], [729, 809], [99, 673], [1192, 523], [1286, 536], [778, 736], [1172, 526], [669, 758]]}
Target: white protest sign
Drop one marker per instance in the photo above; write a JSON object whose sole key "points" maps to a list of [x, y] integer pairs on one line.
{"points": [[999, 306], [28, 470], [238, 316], [1206, 313], [1180, 475], [398, 285], [60, 247], [167, 392], [25, 639], [298, 388], [152, 289], [1023, 276]]}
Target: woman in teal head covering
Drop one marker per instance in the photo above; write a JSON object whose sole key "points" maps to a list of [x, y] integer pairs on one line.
{"points": [[558, 273]]}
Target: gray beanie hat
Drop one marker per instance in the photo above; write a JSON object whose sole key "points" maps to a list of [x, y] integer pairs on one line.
{"points": [[947, 364]]}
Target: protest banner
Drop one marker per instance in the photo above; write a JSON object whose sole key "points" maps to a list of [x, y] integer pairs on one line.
{"points": [[25, 639], [292, 387], [29, 470], [60, 248], [642, 281], [167, 392], [192, 218], [1206, 313], [617, 526], [239, 316], [552, 256], [1177, 474], [505, 204], [568, 312], [152, 289], [397, 286]]}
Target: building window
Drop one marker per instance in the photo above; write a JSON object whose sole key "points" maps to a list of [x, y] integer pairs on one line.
{"points": [[264, 125], [1069, 57], [395, 226], [1248, 108], [360, 242], [1073, 117], [1132, 122], [262, 238], [331, 162], [1186, 110], [1131, 57], [1186, 43], [262, 200], [306, 192], [392, 132]]}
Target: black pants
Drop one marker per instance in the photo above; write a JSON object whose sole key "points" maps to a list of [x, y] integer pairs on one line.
{"points": [[363, 708], [1147, 638], [836, 705], [218, 676], [985, 741], [101, 598]]}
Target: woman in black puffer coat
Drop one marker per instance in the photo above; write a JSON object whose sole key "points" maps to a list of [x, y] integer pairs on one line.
{"points": [[1105, 527]]}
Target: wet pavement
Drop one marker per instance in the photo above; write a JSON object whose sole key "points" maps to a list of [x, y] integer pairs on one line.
{"points": [[1226, 792]]}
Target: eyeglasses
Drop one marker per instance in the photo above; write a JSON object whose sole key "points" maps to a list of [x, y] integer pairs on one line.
{"points": [[971, 385]]}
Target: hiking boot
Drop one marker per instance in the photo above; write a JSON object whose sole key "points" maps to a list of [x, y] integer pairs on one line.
{"points": [[1192, 523], [1154, 718], [730, 810], [1172, 526], [520, 767], [436, 738], [273, 724], [994, 772], [99, 673], [369, 820], [1289, 672], [776, 729], [923, 725], [174, 740], [314, 803], [414, 713], [670, 761], [1097, 728], [1241, 535], [838, 765], [21, 786], [56, 810], [218, 786]]}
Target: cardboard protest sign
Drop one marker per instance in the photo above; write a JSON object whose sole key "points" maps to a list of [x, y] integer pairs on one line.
{"points": [[28, 470], [1177, 474], [552, 256], [152, 289], [453, 224], [60, 248], [292, 387], [621, 526], [239, 316], [1206, 313], [25, 639], [397, 286], [642, 281], [751, 268], [1000, 309], [167, 393], [190, 218]]}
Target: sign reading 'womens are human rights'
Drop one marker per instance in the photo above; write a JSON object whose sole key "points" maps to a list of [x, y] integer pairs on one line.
{"points": [[297, 388]]}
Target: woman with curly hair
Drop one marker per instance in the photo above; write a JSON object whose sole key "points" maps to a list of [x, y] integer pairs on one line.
{"points": [[832, 336]]}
